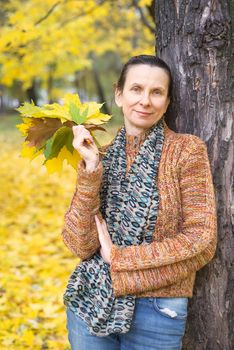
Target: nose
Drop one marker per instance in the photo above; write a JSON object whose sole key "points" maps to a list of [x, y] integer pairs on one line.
{"points": [[145, 99]]}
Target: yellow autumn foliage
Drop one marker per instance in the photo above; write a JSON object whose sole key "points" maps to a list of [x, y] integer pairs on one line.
{"points": [[35, 263], [50, 38]]}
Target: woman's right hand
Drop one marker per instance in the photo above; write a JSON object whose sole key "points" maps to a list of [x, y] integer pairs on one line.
{"points": [[84, 144]]}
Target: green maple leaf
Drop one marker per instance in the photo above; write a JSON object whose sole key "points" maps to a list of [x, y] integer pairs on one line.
{"points": [[47, 148], [77, 116], [62, 137]]}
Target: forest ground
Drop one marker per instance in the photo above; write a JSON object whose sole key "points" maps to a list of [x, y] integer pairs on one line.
{"points": [[35, 263]]}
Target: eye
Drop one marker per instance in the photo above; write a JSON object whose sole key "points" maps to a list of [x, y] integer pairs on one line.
{"points": [[136, 88], [157, 92]]}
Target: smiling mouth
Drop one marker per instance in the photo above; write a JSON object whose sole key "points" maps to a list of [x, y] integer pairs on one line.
{"points": [[144, 113]]}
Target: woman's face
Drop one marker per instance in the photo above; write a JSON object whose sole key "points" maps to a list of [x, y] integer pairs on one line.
{"points": [[144, 97]]}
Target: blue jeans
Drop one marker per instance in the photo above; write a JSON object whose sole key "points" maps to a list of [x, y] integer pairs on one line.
{"points": [[158, 324]]}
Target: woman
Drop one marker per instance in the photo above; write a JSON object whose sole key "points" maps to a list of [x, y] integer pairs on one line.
{"points": [[142, 221]]}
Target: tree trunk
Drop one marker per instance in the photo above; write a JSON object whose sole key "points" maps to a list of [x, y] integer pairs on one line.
{"points": [[195, 38], [50, 82], [100, 91], [32, 93]]}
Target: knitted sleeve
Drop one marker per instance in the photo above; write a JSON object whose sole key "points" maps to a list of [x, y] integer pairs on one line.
{"points": [[136, 282], [79, 232], [198, 230]]}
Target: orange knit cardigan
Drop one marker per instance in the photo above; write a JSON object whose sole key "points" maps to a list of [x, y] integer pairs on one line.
{"points": [[185, 235]]}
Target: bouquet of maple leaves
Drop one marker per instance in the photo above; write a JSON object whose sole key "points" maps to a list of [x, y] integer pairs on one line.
{"points": [[48, 129]]}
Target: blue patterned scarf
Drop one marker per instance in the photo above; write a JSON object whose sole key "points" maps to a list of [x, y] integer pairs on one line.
{"points": [[129, 204]]}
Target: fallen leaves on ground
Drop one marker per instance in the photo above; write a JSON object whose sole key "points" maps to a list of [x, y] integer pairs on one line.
{"points": [[35, 263]]}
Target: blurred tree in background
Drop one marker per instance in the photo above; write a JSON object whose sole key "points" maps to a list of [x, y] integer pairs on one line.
{"points": [[48, 47]]}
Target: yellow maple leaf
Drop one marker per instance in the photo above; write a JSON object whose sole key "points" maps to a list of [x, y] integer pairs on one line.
{"points": [[29, 152], [72, 159], [94, 116], [74, 98], [24, 127], [98, 118], [57, 111], [56, 164]]}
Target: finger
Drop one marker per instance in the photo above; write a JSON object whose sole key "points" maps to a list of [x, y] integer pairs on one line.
{"points": [[98, 224], [82, 138], [80, 130], [104, 226], [77, 129]]}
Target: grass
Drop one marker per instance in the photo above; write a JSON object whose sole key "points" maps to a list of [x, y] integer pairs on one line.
{"points": [[8, 122]]}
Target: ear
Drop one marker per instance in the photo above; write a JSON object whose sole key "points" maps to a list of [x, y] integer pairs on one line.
{"points": [[118, 98]]}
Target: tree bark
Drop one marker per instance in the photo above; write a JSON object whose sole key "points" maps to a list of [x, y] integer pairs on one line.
{"points": [[195, 38], [32, 93], [100, 90]]}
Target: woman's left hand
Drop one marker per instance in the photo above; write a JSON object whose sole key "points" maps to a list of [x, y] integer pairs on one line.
{"points": [[105, 240]]}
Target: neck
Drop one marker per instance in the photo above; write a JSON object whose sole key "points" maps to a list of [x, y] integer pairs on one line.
{"points": [[135, 131]]}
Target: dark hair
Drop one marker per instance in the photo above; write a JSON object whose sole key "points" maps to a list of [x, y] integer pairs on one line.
{"points": [[149, 60]]}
